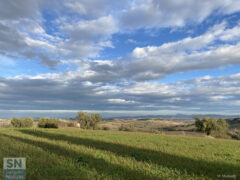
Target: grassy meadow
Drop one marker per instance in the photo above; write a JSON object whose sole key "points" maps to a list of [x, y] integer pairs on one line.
{"points": [[70, 153]]}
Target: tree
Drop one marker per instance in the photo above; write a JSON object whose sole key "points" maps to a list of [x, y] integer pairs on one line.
{"points": [[88, 121], [223, 123], [209, 125], [83, 119], [95, 119], [198, 123]]}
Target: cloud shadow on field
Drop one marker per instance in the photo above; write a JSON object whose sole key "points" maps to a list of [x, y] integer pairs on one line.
{"points": [[183, 164], [105, 169]]}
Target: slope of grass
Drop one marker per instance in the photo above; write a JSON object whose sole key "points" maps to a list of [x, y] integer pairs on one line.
{"points": [[87, 154]]}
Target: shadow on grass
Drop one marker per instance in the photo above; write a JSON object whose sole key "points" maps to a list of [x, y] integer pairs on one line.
{"points": [[183, 164], [107, 170]]}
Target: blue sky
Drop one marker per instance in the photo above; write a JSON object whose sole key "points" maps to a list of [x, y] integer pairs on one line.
{"points": [[128, 57]]}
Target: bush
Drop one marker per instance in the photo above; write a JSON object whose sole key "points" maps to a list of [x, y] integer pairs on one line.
{"points": [[28, 122], [48, 123], [210, 125], [155, 131], [22, 123], [16, 122], [223, 124], [95, 119], [88, 121], [235, 134], [106, 128], [128, 127], [71, 124]]}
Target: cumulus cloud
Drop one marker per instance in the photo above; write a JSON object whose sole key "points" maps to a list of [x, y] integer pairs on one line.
{"points": [[146, 63], [87, 27], [189, 54], [23, 32], [87, 37], [12, 10], [96, 8], [160, 13]]}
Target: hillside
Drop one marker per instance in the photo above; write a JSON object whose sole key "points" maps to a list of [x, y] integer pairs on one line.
{"points": [[234, 123], [87, 154]]}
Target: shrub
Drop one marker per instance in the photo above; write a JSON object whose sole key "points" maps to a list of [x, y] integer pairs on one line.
{"points": [[16, 122], [128, 127], [71, 124], [48, 123], [198, 123], [84, 120], [95, 119], [105, 128], [235, 134], [22, 123], [28, 122], [88, 121], [223, 124], [155, 131]]}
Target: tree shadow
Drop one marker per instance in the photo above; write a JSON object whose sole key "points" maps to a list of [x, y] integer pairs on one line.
{"points": [[183, 164], [106, 169]]}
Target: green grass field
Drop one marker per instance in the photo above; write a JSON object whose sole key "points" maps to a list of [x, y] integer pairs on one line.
{"points": [[88, 154]]}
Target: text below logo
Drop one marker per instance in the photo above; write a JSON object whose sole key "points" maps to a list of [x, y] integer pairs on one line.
{"points": [[14, 168]]}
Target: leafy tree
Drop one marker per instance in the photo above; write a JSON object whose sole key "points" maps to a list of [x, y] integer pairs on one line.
{"points": [[198, 123], [88, 121], [223, 123], [84, 119], [209, 125], [95, 119]]}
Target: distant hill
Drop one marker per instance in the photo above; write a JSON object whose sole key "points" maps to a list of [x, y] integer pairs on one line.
{"points": [[178, 117]]}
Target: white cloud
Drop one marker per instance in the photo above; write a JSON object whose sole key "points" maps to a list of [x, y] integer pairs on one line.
{"points": [[96, 8], [120, 101], [88, 37], [12, 10], [151, 62], [161, 13], [154, 62], [23, 32], [132, 41], [90, 28]]}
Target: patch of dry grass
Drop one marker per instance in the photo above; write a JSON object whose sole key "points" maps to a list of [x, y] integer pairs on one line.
{"points": [[153, 125], [5, 123]]}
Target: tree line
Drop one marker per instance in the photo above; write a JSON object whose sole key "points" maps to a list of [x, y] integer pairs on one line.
{"points": [[86, 121]]}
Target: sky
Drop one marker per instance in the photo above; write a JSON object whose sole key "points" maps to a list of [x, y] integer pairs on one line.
{"points": [[128, 57]]}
